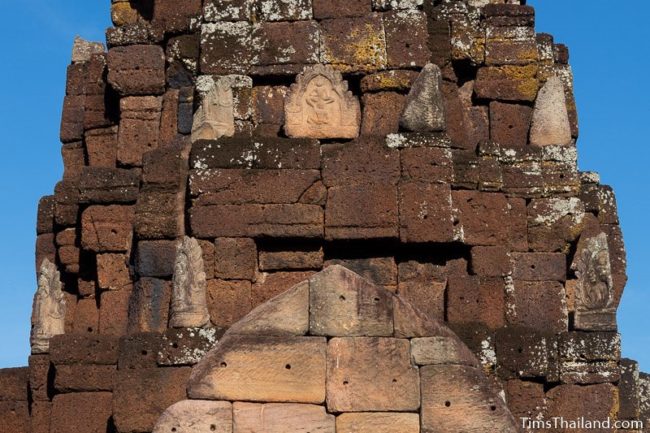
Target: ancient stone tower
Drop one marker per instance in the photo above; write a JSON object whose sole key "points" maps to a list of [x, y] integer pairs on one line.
{"points": [[323, 216]]}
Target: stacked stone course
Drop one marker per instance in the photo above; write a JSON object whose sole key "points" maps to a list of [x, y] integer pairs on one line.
{"points": [[455, 189]]}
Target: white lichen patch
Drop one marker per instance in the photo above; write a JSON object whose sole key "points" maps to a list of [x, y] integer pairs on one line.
{"points": [[549, 211], [227, 10], [384, 5], [285, 10], [590, 177], [488, 355]]}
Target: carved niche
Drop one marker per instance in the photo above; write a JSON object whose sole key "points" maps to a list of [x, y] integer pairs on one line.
{"points": [[215, 117], [48, 314], [594, 296], [319, 105], [189, 303]]}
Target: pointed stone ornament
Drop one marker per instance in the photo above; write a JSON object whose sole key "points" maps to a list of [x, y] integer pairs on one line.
{"points": [[425, 110], [594, 303], [215, 116], [550, 124], [189, 304], [319, 105], [48, 315]]}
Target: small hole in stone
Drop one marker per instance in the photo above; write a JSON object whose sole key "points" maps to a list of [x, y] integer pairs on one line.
{"points": [[213, 427], [520, 350], [342, 298], [345, 382], [532, 266], [447, 403], [394, 380], [145, 353], [493, 408], [175, 345], [288, 366], [376, 299], [173, 429], [224, 365], [90, 329]]}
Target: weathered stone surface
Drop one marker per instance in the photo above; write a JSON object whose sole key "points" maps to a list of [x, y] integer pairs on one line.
{"points": [[425, 212], [410, 322], [291, 260], [149, 306], [490, 261], [481, 217], [594, 402], [278, 418], [168, 16], [360, 162], [252, 220], [113, 271], [81, 412], [554, 223], [186, 346], [84, 378], [270, 284], [226, 47], [458, 398], [284, 10], [268, 369], [378, 422], [340, 8], [285, 314], [423, 284], [344, 304], [629, 390], [354, 43], [441, 350], [189, 307], [381, 113], [539, 266], [319, 105], [83, 50], [140, 396], [371, 374], [509, 123], [196, 416], [235, 258], [49, 308], [107, 228], [139, 128], [550, 124], [228, 301], [40, 371], [101, 185], [406, 38], [101, 147], [526, 353], [137, 69], [114, 311], [84, 349], [381, 271], [507, 83], [14, 384], [530, 295], [425, 111]]}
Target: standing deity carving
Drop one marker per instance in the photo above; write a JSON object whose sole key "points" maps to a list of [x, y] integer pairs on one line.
{"points": [[48, 314], [189, 303]]}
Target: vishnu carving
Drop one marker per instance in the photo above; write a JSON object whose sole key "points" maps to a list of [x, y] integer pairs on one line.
{"points": [[215, 116], [319, 105], [594, 302], [189, 304], [48, 314]]}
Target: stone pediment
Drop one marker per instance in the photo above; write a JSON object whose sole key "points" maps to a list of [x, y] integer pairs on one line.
{"points": [[337, 353], [319, 105]]}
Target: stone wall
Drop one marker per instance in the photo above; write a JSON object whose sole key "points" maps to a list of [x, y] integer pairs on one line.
{"points": [[476, 213]]}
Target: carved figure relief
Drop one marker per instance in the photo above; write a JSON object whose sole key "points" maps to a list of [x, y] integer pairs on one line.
{"points": [[189, 304], [48, 314], [594, 302], [319, 105], [215, 116]]}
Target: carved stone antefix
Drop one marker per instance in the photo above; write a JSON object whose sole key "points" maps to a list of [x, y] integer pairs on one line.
{"points": [[189, 304], [215, 116], [319, 105], [594, 303], [48, 314]]}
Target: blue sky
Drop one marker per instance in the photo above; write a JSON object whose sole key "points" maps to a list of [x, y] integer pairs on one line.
{"points": [[609, 54]]}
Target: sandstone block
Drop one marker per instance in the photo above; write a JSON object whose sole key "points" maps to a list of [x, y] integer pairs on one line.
{"points": [[490, 261], [278, 418], [475, 299], [554, 223], [139, 128], [427, 164], [529, 296], [160, 215], [284, 10], [236, 258], [425, 212], [86, 316], [458, 398], [252, 220], [227, 10], [507, 83], [284, 314], [114, 311], [550, 124], [482, 217], [72, 126], [363, 161], [186, 346], [595, 402], [196, 416], [149, 305], [521, 51], [265, 369], [228, 301], [525, 399], [39, 419], [378, 422], [371, 374], [425, 110], [270, 285], [101, 147], [45, 216], [291, 260], [73, 160], [14, 417], [344, 304], [400, 80], [441, 350], [139, 351], [526, 353], [137, 69], [107, 228], [87, 412], [354, 43], [141, 396], [381, 271]]}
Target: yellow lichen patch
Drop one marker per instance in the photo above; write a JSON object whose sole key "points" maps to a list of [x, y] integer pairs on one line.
{"points": [[368, 48], [123, 13]]}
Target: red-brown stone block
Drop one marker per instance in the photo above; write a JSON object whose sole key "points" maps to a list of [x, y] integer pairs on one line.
{"points": [[81, 412], [107, 228], [425, 212], [424, 284], [235, 258], [228, 301], [381, 113], [509, 123], [137, 69], [114, 311], [139, 128]]}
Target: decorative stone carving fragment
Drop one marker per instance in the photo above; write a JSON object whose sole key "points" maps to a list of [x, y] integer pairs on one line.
{"points": [[215, 117], [189, 304], [551, 124], [425, 110], [48, 315], [83, 50], [319, 105], [594, 303]]}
